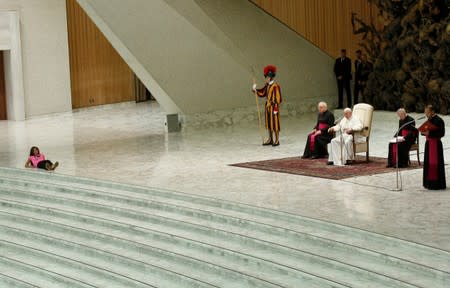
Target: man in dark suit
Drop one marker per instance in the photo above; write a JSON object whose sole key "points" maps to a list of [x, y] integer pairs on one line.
{"points": [[358, 66], [365, 69], [343, 72]]}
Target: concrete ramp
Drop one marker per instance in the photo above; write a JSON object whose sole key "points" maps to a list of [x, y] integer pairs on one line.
{"points": [[199, 56]]}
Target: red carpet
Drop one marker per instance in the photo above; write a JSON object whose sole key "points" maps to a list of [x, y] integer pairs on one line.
{"points": [[319, 167]]}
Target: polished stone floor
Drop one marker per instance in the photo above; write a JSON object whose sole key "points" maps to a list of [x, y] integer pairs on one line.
{"points": [[127, 142]]}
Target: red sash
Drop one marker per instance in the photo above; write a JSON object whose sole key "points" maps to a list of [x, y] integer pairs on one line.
{"points": [[312, 137], [394, 154], [433, 171], [403, 133]]}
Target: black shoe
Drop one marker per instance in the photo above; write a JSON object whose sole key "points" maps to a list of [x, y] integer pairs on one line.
{"points": [[389, 166], [315, 157], [276, 144], [330, 163], [269, 142], [305, 157]]}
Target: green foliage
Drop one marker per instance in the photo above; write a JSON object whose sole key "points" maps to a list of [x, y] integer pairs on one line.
{"points": [[410, 51]]}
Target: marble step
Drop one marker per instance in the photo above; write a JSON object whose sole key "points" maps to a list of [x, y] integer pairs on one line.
{"points": [[406, 250], [326, 268], [105, 232], [287, 243], [22, 274], [353, 256], [124, 255], [10, 282], [270, 276], [78, 262]]}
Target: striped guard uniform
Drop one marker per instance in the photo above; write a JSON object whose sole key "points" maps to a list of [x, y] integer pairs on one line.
{"points": [[273, 101]]}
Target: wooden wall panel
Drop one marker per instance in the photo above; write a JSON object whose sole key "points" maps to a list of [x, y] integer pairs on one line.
{"points": [[325, 23], [98, 73], [3, 114]]}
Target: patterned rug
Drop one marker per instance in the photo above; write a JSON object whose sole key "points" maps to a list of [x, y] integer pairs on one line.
{"points": [[319, 167]]}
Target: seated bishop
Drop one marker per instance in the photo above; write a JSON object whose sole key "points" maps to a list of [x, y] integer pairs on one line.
{"points": [[404, 139], [316, 143], [341, 146]]}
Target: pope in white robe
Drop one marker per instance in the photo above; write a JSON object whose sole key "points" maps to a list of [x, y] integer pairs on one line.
{"points": [[341, 147]]}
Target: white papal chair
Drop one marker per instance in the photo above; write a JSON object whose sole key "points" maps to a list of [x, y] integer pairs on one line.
{"points": [[363, 112]]}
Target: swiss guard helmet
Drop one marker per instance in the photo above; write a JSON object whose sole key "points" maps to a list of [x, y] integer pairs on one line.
{"points": [[270, 71]]}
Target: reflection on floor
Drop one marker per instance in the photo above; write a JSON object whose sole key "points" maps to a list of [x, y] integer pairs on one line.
{"points": [[127, 143]]}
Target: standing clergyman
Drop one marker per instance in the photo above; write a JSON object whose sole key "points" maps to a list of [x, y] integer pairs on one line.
{"points": [[433, 167]]}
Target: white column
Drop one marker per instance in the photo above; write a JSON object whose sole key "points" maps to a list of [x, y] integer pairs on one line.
{"points": [[10, 43]]}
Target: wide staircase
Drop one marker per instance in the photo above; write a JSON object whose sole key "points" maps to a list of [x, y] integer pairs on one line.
{"points": [[65, 231]]}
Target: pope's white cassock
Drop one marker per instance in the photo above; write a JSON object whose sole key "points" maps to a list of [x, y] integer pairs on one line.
{"points": [[337, 155]]}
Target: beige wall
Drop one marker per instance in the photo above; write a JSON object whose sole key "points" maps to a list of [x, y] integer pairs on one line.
{"points": [[45, 56], [196, 56]]}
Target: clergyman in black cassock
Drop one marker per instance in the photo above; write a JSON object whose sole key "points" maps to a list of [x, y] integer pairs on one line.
{"points": [[433, 168], [409, 133], [316, 144]]}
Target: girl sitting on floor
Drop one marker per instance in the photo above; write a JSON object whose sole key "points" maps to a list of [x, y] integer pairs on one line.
{"points": [[37, 160]]}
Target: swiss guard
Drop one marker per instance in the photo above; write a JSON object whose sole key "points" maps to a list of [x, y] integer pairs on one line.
{"points": [[272, 92]]}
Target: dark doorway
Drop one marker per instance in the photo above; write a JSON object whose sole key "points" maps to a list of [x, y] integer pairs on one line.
{"points": [[141, 92], [3, 115]]}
